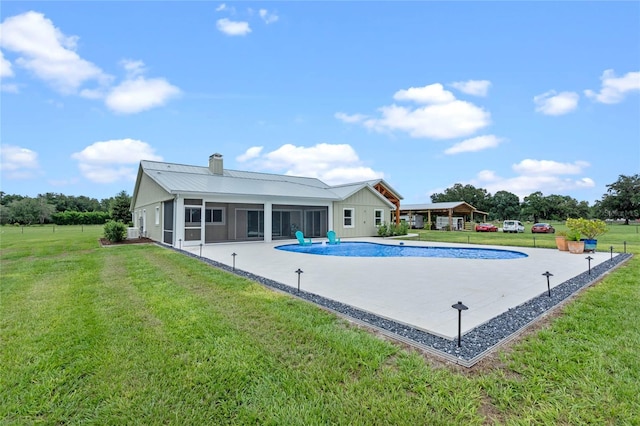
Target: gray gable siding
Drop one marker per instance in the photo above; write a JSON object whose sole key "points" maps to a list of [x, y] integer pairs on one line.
{"points": [[364, 203], [150, 192], [149, 198]]}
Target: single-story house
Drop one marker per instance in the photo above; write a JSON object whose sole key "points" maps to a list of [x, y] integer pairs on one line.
{"points": [[456, 215], [184, 205]]}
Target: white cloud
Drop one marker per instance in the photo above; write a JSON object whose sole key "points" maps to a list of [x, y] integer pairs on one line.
{"points": [[233, 28], [441, 121], [331, 163], [531, 167], [552, 103], [9, 88], [250, 154], [133, 68], [48, 53], [113, 160], [5, 67], [547, 176], [444, 116], [472, 87], [478, 143], [267, 17], [614, 89], [222, 7], [431, 94], [133, 96], [354, 118], [17, 162]]}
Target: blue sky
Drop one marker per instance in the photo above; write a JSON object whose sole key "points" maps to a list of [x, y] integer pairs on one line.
{"points": [[512, 96]]}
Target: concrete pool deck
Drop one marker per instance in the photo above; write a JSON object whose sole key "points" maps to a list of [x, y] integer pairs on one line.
{"points": [[417, 291]]}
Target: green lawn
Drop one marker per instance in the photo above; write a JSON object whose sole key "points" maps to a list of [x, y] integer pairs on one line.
{"points": [[144, 335]]}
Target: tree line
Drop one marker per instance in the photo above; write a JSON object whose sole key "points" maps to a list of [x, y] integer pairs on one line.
{"points": [[63, 209], [621, 201]]}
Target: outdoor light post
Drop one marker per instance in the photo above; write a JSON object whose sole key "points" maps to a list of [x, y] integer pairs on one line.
{"points": [[460, 307], [548, 274], [589, 259], [234, 260], [299, 271], [200, 249], [611, 250], [180, 243]]}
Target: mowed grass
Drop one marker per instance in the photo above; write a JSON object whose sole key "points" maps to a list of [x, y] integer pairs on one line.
{"points": [[144, 335], [619, 236]]}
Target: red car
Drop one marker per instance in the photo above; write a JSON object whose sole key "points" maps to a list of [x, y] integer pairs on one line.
{"points": [[542, 228], [486, 227]]}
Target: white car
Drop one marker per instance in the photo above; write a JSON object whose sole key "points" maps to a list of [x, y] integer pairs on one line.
{"points": [[512, 226]]}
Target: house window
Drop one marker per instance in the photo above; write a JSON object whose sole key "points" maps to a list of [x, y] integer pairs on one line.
{"points": [[192, 223], [192, 216], [255, 223], [377, 217], [214, 216], [158, 215], [348, 218]]}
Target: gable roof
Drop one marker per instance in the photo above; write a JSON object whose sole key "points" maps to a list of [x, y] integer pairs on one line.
{"points": [[181, 179], [453, 205]]}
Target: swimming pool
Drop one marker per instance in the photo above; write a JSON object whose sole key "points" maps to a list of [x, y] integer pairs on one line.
{"points": [[359, 249]]}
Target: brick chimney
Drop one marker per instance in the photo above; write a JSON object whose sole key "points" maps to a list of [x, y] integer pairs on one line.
{"points": [[215, 164]]}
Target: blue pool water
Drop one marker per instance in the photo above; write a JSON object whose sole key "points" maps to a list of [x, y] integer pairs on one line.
{"points": [[355, 249]]}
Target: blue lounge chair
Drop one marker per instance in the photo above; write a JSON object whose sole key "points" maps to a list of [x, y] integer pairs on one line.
{"points": [[331, 235], [302, 240]]}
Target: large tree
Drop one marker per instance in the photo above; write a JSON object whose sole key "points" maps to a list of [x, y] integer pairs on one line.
{"points": [[505, 205], [535, 206], [120, 207], [69, 202], [28, 211], [622, 199], [477, 197]]}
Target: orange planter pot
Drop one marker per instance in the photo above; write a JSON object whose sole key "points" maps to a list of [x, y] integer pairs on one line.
{"points": [[576, 247], [561, 243]]}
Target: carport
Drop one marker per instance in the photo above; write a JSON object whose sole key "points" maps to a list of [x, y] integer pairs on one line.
{"points": [[450, 209]]}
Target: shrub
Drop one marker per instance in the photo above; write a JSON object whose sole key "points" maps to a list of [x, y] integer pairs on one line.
{"points": [[392, 229], [115, 231], [589, 228]]}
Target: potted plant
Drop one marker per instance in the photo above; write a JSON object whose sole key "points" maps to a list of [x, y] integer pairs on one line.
{"points": [[590, 229], [574, 244], [561, 241]]}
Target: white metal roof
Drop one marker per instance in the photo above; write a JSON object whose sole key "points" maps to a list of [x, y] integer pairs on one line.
{"points": [[432, 206], [178, 178], [186, 179]]}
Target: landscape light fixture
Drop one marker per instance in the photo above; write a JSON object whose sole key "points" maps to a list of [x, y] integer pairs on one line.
{"points": [[234, 260], [299, 271], [200, 249], [460, 307], [548, 274], [611, 251], [589, 259]]}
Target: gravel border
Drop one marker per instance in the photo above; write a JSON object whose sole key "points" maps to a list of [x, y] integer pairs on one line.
{"points": [[476, 343]]}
